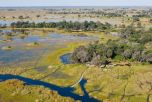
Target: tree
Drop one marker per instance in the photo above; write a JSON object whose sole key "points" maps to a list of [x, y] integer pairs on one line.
{"points": [[109, 53], [136, 19], [81, 55], [139, 25], [128, 31], [150, 20], [128, 53], [21, 17]]}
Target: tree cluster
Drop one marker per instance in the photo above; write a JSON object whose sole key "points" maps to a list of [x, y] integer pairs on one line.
{"points": [[130, 46], [85, 26]]}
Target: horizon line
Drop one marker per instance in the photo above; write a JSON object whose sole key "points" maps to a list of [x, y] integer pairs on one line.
{"points": [[84, 6]]}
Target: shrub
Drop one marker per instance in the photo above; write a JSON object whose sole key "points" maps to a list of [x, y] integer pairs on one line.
{"points": [[119, 58]]}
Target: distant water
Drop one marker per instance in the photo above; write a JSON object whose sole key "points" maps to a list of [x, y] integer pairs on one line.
{"points": [[3, 22]]}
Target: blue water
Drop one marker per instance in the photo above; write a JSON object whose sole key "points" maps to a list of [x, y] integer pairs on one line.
{"points": [[65, 59], [63, 91], [16, 55], [19, 54], [51, 40], [3, 22]]}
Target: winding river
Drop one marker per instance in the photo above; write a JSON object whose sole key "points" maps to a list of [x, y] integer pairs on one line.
{"points": [[20, 52], [63, 91]]}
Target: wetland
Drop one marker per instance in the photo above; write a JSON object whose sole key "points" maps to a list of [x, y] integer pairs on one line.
{"points": [[76, 54]]}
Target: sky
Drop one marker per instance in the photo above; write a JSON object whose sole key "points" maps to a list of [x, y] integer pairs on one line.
{"points": [[7, 3]]}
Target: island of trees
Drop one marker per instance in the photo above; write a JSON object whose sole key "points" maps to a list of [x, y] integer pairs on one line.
{"points": [[131, 46]]}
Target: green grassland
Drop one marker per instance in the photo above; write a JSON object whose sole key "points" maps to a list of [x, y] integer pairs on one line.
{"points": [[116, 84], [17, 91]]}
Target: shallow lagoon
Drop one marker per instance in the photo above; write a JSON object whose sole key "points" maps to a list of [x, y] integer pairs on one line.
{"points": [[48, 43], [23, 51]]}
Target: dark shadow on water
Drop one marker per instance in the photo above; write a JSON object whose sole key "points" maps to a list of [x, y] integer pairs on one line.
{"points": [[63, 91]]}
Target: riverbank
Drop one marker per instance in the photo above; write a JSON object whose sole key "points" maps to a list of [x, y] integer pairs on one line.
{"points": [[103, 84]]}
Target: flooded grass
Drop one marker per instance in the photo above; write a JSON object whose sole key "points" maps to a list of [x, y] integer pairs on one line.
{"points": [[43, 62], [35, 47]]}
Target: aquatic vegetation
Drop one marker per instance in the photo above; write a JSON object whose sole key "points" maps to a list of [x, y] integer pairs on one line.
{"points": [[6, 48], [36, 46], [33, 44]]}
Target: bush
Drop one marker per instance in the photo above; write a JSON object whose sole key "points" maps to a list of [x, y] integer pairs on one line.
{"points": [[147, 57], [119, 58]]}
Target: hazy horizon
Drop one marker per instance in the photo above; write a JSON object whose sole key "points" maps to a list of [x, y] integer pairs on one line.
{"points": [[38, 3]]}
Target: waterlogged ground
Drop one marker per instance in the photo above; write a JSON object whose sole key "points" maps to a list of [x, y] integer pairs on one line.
{"points": [[40, 64], [37, 54], [32, 47]]}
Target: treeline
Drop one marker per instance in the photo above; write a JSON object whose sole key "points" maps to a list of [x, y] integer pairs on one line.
{"points": [[131, 46], [85, 26], [105, 12]]}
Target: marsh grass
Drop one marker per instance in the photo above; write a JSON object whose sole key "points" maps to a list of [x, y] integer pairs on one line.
{"points": [[115, 84]]}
